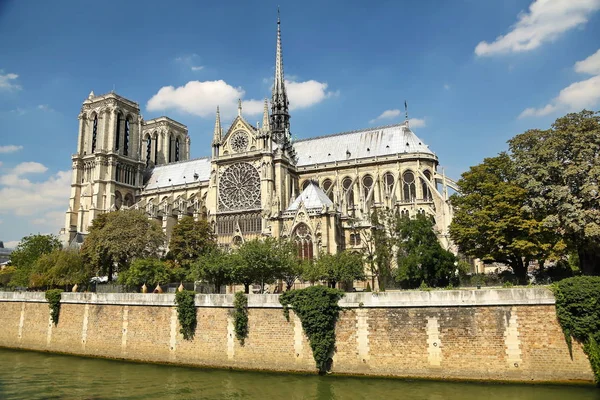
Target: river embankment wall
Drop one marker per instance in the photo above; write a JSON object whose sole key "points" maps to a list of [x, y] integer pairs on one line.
{"points": [[490, 335]]}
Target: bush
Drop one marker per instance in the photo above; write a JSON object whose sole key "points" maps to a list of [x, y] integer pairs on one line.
{"points": [[318, 310], [578, 312], [240, 317], [53, 296], [186, 313]]}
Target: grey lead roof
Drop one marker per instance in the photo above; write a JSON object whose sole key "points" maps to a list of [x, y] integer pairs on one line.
{"points": [[179, 173], [380, 141], [312, 197]]}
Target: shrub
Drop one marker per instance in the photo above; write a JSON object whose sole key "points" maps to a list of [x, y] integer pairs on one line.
{"points": [[53, 296], [186, 313], [240, 317], [578, 312], [318, 310]]}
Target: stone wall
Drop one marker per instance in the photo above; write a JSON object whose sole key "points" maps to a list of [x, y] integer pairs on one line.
{"points": [[504, 334]]}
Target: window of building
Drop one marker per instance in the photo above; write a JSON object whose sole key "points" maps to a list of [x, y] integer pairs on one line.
{"points": [[304, 242], [388, 181], [94, 133], [177, 149], [118, 131], [305, 184], [126, 142], [354, 239], [348, 191], [425, 186], [148, 149], [327, 188], [155, 149], [367, 185], [408, 186]]}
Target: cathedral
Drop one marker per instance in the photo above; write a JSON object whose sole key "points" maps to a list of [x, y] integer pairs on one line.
{"points": [[257, 181]]}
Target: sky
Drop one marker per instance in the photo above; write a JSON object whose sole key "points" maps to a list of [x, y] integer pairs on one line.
{"points": [[473, 73]]}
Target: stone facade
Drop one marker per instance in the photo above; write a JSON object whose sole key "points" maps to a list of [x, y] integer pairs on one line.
{"points": [[258, 181], [490, 335]]}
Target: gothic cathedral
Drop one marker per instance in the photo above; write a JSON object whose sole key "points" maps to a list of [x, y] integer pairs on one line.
{"points": [[258, 181]]}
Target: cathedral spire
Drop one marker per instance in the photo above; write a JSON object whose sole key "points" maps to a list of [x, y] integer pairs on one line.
{"points": [[239, 107], [280, 117], [218, 130], [265, 121]]}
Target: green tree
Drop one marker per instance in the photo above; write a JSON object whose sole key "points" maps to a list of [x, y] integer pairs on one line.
{"points": [[292, 267], [378, 244], [421, 258], [28, 251], [61, 267], [117, 238], [216, 267], [560, 170], [491, 221], [191, 239], [150, 271], [259, 262], [345, 266]]}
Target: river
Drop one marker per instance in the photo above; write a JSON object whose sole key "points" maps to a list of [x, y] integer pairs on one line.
{"points": [[30, 375]]}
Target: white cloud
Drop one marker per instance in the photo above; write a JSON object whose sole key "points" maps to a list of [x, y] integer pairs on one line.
{"points": [[545, 21], [18, 111], [7, 81], [416, 122], [446, 86], [190, 61], [197, 68], [202, 98], [29, 167], [576, 96], [11, 148], [307, 93], [387, 114], [590, 65], [44, 107], [22, 197]]}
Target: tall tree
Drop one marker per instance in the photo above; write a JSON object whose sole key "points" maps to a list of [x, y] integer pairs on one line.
{"points": [[151, 271], [28, 251], [216, 267], [191, 239], [421, 258], [491, 221], [117, 238], [61, 267], [560, 170], [259, 263]]}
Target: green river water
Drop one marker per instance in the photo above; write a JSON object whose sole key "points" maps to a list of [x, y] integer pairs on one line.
{"points": [[30, 375]]}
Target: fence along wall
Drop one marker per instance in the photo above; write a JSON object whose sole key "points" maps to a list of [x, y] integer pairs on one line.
{"points": [[504, 334]]}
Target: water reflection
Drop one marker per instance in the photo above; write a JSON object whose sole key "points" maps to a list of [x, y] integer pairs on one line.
{"points": [[29, 375]]}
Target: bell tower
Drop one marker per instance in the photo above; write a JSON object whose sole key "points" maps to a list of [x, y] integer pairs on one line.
{"points": [[107, 167]]}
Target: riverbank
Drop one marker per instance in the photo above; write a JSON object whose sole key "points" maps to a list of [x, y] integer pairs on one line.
{"points": [[488, 335]]}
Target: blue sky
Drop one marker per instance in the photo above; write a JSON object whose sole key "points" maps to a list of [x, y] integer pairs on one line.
{"points": [[474, 73]]}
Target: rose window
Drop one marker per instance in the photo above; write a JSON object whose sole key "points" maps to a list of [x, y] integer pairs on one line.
{"points": [[239, 188], [239, 142]]}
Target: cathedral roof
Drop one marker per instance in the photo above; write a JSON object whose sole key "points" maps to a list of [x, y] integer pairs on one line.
{"points": [[312, 197], [178, 173], [371, 142]]}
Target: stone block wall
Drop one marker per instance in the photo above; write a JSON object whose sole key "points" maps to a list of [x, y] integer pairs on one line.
{"points": [[503, 335]]}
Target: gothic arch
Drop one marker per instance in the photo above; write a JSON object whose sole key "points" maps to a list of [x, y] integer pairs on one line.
{"points": [[303, 238], [408, 186]]}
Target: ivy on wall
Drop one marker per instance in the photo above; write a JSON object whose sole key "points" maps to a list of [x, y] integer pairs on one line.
{"points": [[240, 317], [186, 313], [578, 312], [53, 297], [318, 310]]}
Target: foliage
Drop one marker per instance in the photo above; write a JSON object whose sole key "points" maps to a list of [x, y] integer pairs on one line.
{"points": [[292, 267], [490, 221], [378, 244], [259, 262], [190, 240], [149, 271], [53, 296], [578, 311], [61, 267], [117, 238], [560, 270], [559, 169], [186, 313], [345, 266], [240, 317], [421, 258], [216, 267], [6, 275], [317, 307], [29, 249]]}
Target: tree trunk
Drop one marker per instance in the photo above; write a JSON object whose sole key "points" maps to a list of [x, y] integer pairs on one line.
{"points": [[520, 270], [589, 261], [247, 288], [110, 273]]}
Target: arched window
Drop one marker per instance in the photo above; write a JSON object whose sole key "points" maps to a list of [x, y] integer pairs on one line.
{"points": [[170, 148], [177, 149], [94, 133], [348, 191], [155, 149], [305, 184], [148, 150], [326, 187], [128, 202], [367, 185], [408, 186], [425, 187], [304, 242], [388, 182], [126, 142], [118, 131], [118, 200]]}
